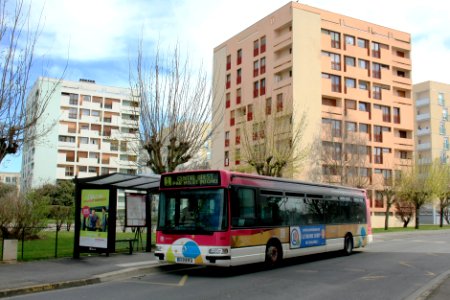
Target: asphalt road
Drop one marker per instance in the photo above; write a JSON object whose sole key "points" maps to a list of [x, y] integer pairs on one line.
{"points": [[396, 266]]}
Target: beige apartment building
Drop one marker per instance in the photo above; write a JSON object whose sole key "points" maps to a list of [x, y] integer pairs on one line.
{"points": [[91, 130], [350, 78], [432, 121]]}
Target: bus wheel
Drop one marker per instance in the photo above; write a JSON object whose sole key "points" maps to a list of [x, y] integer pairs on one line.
{"points": [[273, 254], [348, 244]]}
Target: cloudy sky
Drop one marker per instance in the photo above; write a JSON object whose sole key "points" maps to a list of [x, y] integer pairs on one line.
{"points": [[98, 38]]}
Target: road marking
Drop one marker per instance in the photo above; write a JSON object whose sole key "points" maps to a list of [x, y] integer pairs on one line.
{"points": [[373, 277], [183, 280], [428, 273], [405, 264], [307, 271], [138, 263]]}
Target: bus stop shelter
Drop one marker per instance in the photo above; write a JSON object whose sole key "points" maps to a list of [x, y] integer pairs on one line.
{"points": [[96, 209]]}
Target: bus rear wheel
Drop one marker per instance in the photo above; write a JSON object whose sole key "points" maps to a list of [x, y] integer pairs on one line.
{"points": [[348, 244], [273, 254]]}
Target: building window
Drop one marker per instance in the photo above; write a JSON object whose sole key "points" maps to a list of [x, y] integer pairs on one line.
{"points": [[228, 62], [335, 40], [227, 138], [228, 82], [376, 50], [386, 113], [335, 61], [403, 134], [73, 113], [255, 48], [239, 57], [238, 76], [364, 128], [350, 83], [73, 99], [227, 100], [227, 159], [255, 89], [238, 96], [376, 70], [362, 43], [349, 40], [249, 112], [350, 61], [403, 154], [263, 65], [377, 134], [363, 85], [350, 104], [263, 44], [237, 155], [376, 92], [396, 115], [263, 87], [445, 114], [442, 128], [446, 143], [232, 118], [378, 155], [268, 106], [350, 127], [279, 102], [238, 136], [69, 171], [441, 99], [255, 68]]}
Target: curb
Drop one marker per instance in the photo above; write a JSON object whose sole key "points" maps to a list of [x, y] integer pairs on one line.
{"points": [[424, 292], [105, 277]]}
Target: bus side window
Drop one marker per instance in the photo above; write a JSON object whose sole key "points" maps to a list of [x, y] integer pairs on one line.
{"points": [[243, 214]]}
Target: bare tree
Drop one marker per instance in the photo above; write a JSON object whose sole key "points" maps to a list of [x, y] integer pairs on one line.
{"points": [[273, 143], [344, 154], [18, 39], [175, 110]]}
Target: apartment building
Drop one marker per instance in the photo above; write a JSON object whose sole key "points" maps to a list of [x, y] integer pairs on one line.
{"points": [[12, 178], [432, 121], [90, 130], [350, 78], [432, 126]]}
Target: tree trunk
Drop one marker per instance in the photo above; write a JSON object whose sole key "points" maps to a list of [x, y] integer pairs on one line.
{"points": [[386, 219], [417, 217], [441, 216]]}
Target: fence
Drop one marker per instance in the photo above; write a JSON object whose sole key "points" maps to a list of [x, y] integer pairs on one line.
{"points": [[51, 243]]}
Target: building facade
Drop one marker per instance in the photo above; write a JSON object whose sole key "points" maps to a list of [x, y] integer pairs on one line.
{"points": [[432, 121], [350, 78], [90, 130], [12, 178], [432, 126]]}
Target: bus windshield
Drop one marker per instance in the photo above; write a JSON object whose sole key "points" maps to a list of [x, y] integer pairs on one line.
{"points": [[193, 210]]}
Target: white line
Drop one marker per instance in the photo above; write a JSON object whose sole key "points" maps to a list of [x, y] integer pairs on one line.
{"points": [[139, 263]]}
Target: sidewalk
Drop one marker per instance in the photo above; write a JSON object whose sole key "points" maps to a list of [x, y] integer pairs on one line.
{"points": [[29, 277]]}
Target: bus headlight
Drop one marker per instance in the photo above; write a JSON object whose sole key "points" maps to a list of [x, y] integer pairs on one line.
{"points": [[218, 251]]}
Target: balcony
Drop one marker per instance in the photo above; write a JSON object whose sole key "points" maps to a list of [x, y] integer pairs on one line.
{"points": [[424, 131], [423, 117], [424, 146], [422, 102]]}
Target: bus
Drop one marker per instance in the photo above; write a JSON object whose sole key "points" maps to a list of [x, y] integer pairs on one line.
{"points": [[225, 218]]}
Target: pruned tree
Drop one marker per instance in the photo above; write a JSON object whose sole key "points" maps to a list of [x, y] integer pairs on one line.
{"points": [[389, 193], [273, 143], [175, 109], [440, 174], [18, 39], [416, 186]]}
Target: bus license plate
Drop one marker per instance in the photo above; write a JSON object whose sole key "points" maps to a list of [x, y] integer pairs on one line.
{"points": [[185, 260]]}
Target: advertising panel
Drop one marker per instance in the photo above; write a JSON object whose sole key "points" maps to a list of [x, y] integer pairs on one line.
{"points": [[94, 218], [307, 236], [135, 210]]}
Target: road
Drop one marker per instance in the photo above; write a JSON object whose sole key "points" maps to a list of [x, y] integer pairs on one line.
{"points": [[395, 266]]}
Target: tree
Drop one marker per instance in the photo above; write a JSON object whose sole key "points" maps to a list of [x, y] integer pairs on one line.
{"points": [[389, 193], [18, 39], [405, 211], [175, 109], [272, 143], [344, 154], [415, 186], [440, 174]]}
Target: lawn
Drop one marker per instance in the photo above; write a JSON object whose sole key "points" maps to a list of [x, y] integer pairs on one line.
{"points": [[44, 247], [410, 228]]}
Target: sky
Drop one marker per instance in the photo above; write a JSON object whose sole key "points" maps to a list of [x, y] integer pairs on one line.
{"points": [[97, 39]]}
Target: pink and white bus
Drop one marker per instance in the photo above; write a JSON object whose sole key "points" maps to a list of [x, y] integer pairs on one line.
{"points": [[223, 218]]}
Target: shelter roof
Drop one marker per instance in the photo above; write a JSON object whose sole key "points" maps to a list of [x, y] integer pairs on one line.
{"points": [[122, 181]]}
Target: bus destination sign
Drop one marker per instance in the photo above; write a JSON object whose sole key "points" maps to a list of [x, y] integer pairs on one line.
{"points": [[190, 180]]}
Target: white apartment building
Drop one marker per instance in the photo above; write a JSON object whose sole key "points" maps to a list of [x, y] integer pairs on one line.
{"points": [[90, 130]]}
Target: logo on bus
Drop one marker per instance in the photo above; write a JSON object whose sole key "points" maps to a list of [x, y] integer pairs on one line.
{"points": [[307, 236]]}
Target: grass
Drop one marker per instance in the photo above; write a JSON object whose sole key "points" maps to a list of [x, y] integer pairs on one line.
{"points": [[410, 228], [44, 246]]}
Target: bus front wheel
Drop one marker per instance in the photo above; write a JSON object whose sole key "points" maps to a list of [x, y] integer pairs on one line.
{"points": [[348, 244], [273, 254]]}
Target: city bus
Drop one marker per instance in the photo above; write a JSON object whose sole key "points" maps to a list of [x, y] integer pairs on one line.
{"points": [[225, 218]]}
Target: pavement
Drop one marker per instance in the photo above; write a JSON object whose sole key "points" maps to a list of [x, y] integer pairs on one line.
{"points": [[20, 278]]}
